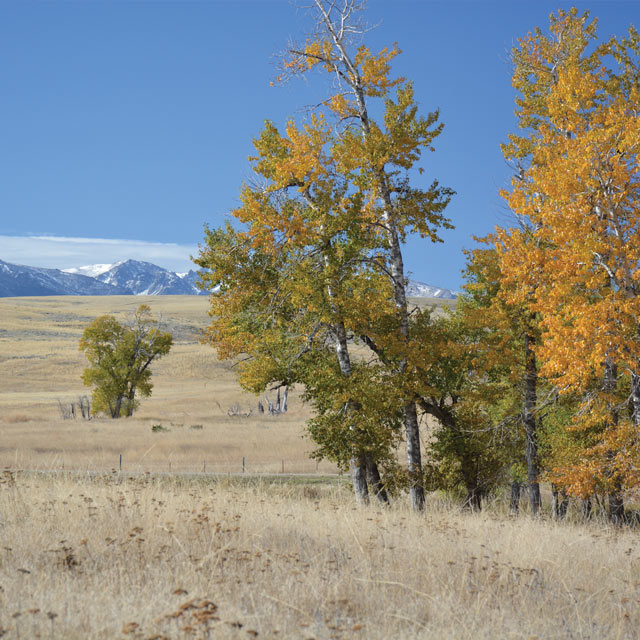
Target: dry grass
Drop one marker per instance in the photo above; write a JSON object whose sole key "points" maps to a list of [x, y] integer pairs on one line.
{"points": [[40, 364], [180, 558], [174, 555]]}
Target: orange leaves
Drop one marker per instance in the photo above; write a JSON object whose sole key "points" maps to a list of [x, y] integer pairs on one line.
{"points": [[577, 196], [306, 161], [296, 159], [575, 258]]}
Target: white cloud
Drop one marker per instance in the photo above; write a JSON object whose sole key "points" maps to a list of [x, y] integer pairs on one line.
{"points": [[57, 252]]}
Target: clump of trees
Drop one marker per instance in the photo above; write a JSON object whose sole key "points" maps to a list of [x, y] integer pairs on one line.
{"points": [[120, 356], [573, 263], [536, 374]]}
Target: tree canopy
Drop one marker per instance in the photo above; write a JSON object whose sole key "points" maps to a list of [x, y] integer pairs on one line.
{"points": [[119, 357]]}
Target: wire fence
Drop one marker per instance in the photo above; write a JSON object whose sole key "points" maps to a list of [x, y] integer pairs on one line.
{"points": [[123, 464]]}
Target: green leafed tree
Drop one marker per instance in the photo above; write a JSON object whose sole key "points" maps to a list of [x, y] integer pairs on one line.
{"points": [[120, 356]]}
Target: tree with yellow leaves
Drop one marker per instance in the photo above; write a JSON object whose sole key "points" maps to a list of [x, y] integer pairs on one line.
{"points": [[320, 253], [578, 189], [377, 158]]}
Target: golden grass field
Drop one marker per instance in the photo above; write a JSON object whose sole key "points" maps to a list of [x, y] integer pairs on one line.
{"points": [[163, 550], [168, 557], [40, 365]]}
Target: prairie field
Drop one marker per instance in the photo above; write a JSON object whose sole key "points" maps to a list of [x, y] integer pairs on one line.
{"points": [[173, 557], [180, 543], [41, 368]]}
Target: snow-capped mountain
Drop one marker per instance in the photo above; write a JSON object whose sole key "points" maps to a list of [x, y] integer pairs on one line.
{"points": [[91, 270], [192, 277], [19, 280], [146, 279], [421, 290], [129, 277]]}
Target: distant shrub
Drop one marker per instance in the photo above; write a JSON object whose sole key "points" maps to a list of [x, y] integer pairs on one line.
{"points": [[157, 428], [197, 427]]}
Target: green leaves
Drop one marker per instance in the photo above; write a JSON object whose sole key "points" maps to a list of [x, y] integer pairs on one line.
{"points": [[119, 359]]}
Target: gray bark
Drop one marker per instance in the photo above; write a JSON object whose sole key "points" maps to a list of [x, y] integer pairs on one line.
{"points": [[635, 398], [374, 480], [586, 509], [530, 424], [616, 501], [358, 461], [416, 483], [359, 476], [514, 502]]}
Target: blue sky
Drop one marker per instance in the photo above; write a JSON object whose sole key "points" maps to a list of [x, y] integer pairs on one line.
{"points": [[133, 121]]}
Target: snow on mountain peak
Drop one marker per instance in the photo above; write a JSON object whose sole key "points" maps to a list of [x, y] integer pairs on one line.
{"points": [[131, 277], [91, 270]]}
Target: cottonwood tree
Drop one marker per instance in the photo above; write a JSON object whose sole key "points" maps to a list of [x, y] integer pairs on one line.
{"points": [[318, 257], [505, 309], [580, 193], [120, 356], [377, 158], [284, 291]]}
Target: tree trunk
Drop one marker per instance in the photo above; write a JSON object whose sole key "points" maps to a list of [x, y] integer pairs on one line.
{"points": [[616, 501], [616, 506], [586, 509], [374, 480], [416, 481], [358, 461], [514, 502], [564, 505], [635, 399], [131, 398], [358, 473], [554, 501], [530, 424], [559, 503]]}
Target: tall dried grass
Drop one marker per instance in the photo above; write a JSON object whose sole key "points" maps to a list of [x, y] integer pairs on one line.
{"points": [[157, 557]]}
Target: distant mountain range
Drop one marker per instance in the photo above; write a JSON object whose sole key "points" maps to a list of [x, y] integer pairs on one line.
{"points": [[129, 277]]}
